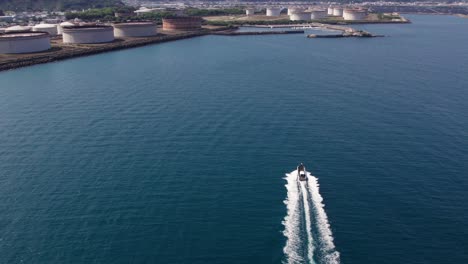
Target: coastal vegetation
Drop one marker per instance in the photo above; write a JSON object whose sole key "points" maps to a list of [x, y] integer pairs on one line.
{"points": [[107, 15], [56, 5], [214, 12]]}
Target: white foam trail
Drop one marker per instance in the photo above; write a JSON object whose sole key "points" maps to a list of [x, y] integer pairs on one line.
{"points": [[310, 245], [330, 254], [292, 221]]}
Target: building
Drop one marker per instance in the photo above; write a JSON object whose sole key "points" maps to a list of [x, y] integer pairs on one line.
{"points": [[250, 11], [273, 11], [330, 11], [87, 34], [49, 28], [354, 14], [24, 42], [182, 23], [134, 29]]}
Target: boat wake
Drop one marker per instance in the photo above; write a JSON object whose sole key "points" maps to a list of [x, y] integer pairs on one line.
{"points": [[309, 238]]}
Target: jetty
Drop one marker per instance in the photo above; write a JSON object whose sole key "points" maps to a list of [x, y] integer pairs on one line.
{"points": [[246, 33]]}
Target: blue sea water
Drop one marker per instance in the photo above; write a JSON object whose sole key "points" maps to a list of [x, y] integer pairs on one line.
{"points": [[177, 153]]}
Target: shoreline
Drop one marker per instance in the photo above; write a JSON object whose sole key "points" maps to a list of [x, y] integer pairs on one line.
{"points": [[60, 51]]}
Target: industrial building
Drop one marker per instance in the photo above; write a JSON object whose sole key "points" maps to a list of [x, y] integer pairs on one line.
{"points": [[338, 11], [134, 29], [300, 16], [354, 14], [182, 23], [24, 42], [87, 34], [330, 11], [49, 28], [250, 11], [318, 14], [273, 11]]}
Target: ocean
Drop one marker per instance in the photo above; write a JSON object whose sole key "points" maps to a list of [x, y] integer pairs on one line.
{"points": [[184, 152]]}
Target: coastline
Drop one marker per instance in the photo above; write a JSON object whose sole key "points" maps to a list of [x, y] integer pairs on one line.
{"points": [[60, 51]]}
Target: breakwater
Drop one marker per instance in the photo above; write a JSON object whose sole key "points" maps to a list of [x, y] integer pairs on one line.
{"points": [[236, 33]]}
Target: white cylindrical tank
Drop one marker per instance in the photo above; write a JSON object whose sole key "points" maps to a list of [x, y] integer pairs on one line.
{"points": [[135, 29], [273, 11], [18, 29], [330, 11], [88, 34], [338, 11], [49, 28], [318, 14], [302, 16], [250, 11], [63, 24], [354, 14], [294, 10], [24, 42]]}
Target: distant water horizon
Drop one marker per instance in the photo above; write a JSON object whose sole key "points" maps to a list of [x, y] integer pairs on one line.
{"points": [[185, 152]]}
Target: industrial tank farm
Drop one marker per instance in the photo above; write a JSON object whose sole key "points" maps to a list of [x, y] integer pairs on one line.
{"points": [[135, 29], [182, 23], [354, 14], [24, 42], [49, 28], [318, 14], [88, 34], [273, 11]]}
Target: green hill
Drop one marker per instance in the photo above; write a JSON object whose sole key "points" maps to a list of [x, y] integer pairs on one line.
{"points": [[55, 5]]}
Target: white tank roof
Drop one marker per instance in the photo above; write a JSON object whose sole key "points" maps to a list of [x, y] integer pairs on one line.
{"points": [[18, 28], [45, 25], [66, 23]]}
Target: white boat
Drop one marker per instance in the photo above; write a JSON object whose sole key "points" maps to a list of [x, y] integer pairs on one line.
{"points": [[301, 173]]}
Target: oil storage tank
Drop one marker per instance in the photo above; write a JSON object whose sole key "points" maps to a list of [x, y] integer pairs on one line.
{"points": [[134, 29], [62, 25], [182, 23], [294, 10], [24, 42], [338, 11], [250, 11], [318, 14], [354, 14], [18, 29], [273, 11], [87, 34], [49, 28], [300, 16]]}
